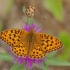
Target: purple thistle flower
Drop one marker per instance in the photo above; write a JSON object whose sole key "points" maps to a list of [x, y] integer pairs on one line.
{"points": [[28, 62]]}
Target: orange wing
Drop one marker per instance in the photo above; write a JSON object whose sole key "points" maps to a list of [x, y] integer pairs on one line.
{"points": [[20, 50], [14, 38], [44, 43], [48, 43], [36, 53]]}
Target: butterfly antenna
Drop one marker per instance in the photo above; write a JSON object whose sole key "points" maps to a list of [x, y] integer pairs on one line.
{"points": [[22, 19]]}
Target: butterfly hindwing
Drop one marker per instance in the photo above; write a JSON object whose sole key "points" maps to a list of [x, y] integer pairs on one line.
{"points": [[12, 37], [20, 50], [36, 53]]}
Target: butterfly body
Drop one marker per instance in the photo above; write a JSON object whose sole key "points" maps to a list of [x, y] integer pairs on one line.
{"points": [[30, 40], [31, 44]]}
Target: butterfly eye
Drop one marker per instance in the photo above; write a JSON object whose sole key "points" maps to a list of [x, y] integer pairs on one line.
{"points": [[30, 11]]}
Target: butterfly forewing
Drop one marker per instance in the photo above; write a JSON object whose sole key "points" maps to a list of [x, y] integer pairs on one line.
{"points": [[49, 43]]}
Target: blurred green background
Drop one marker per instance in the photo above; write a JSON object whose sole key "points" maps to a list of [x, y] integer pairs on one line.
{"points": [[52, 15]]}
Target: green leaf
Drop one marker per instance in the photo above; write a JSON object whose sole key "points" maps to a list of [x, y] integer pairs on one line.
{"points": [[29, 21], [45, 66], [57, 62], [24, 9], [64, 55], [20, 67], [65, 38], [51, 54], [5, 56], [55, 7], [14, 66], [17, 67]]}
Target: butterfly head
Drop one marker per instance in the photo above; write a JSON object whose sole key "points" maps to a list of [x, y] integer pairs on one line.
{"points": [[31, 30], [31, 33]]}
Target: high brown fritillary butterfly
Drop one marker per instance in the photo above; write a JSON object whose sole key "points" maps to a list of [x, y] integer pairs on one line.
{"points": [[30, 11], [31, 44]]}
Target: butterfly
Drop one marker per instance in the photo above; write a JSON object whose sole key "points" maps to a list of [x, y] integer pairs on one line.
{"points": [[30, 11], [31, 44]]}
